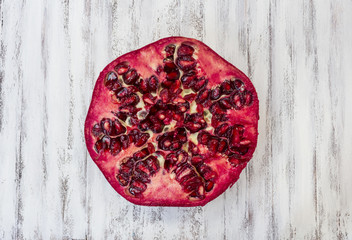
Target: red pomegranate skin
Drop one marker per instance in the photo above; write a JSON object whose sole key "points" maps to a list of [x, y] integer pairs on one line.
{"points": [[158, 184]]}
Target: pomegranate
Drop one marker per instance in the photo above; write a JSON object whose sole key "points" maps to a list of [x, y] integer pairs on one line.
{"points": [[172, 124]]}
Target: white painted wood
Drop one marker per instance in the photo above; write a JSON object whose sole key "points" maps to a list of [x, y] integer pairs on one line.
{"points": [[298, 55]]}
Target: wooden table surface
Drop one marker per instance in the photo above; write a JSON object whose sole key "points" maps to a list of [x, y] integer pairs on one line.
{"points": [[299, 57]]}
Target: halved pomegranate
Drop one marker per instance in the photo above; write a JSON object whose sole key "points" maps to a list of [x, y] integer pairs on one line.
{"points": [[172, 124]]}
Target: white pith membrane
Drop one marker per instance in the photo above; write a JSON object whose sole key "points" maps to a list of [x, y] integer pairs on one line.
{"points": [[163, 185]]}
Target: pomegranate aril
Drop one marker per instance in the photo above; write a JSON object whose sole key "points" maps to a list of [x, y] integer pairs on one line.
{"points": [[174, 75], [117, 128], [213, 145], [237, 100], [125, 141], [197, 161], [194, 122], [180, 167], [203, 96], [127, 167], [222, 130], [226, 87], [130, 100], [188, 79], [142, 166], [141, 154], [180, 135], [153, 83], [175, 88], [145, 124], [134, 135], [238, 85], [151, 148], [247, 98], [169, 65], [98, 146], [186, 63], [149, 99], [225, 103], [106, 125], [137, 187], [111, 81], [187, 178], [242, 150], [130, 77], [190, 97], [122, 68], [170, 161], [186, 170], [96, 130], [122, 93], [207, 173], [236, 135], [121, 115], [222, 146], [193, 186], [143, 86], [200, 84], [170, 50], [153, 164], [164, 95], [215, 109], [115, 147], [209, 185], [165, 143], [141, 177], [203, 137], [185, 50], [215, 93], [122, 179], [143, 138]]}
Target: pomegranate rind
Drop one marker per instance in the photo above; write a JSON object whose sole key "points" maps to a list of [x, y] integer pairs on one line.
{"points": [[162, 191]]}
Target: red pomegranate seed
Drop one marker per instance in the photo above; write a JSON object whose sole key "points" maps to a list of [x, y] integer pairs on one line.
{"points": [[226, 87], [188, 79], [209, 185], [151, 148], [239, 85], [122, 68], [225, 103], [143, 86], [96, 130], [164, 95], [170, 50], [186, 63], [203, 95], [203, 137], [200, 84], [130, 77], [153, 83], [115, 146], [213, 145], [124, 139], [141, 154], [185, 50], [142, 139], [149, 99], [215, 93]]}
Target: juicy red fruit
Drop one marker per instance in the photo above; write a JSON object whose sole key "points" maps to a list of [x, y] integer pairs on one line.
{"points": [[172, 124]]}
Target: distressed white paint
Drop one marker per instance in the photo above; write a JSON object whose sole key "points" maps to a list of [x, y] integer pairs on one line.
{"points": [[298, 55]]}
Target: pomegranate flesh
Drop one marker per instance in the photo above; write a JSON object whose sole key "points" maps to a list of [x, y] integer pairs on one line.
{"points": [[172, 124]]}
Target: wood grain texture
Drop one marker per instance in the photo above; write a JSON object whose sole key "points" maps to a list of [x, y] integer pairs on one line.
{"points": [[299, 57]]}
